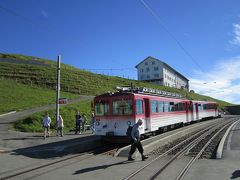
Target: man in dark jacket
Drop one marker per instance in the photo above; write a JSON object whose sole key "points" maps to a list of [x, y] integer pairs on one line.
{"points": [[78, 119], [136, 143]]}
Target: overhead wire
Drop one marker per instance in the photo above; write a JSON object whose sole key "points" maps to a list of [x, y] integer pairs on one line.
{"points": [[14, 13], [170, 34]]}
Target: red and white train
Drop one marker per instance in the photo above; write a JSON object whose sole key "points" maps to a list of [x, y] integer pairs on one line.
{"points": [[159, 110]]}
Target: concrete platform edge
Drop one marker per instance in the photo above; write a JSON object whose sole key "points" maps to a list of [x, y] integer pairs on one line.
{"points": [[221, 144]]}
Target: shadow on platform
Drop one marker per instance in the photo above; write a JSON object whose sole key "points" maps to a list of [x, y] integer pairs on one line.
{"points": [[235, 174], [56, 149], [90, 169]]}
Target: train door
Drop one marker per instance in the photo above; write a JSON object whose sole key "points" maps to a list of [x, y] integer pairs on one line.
{"points": [[189, 111], [147, 120], [196, 111]]}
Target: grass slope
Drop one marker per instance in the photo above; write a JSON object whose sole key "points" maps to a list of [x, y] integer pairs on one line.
{"points": [[16, 96]]}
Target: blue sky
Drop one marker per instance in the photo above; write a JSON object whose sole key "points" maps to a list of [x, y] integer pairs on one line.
{"points": [[200, 39]]}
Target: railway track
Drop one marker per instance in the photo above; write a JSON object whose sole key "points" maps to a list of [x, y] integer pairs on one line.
{"points": [[33, 171], [196, 143]]}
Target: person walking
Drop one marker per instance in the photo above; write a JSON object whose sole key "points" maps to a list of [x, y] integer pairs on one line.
{"points": [[92, 123], [84, 121], [77, 119], [60, 126], [46, 125], [135, 141]]}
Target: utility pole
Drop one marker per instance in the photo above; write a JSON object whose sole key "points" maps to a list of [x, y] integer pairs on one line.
{"points": [[58, 89]]}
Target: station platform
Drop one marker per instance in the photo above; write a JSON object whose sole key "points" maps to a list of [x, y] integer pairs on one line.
{"points": [[31, 148]]}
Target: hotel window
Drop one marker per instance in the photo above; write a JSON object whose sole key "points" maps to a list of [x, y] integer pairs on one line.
{"points": [[146, 63], [155, 68]]}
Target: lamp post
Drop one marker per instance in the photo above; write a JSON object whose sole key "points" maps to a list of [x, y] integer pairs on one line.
{"points": [[58, 90]]}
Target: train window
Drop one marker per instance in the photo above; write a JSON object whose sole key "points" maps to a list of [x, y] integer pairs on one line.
{"points": [[184, 106], [166, 107], [200, 107], [122, 107], [176, 107], [101, 109], [180, 106], [190, 107], [204, 106], [153, 106], [139, 106], [194, 107], [160, 106], [171, 107]]}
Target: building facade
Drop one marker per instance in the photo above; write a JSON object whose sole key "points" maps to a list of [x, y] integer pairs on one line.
{"points": [[158, 72]]}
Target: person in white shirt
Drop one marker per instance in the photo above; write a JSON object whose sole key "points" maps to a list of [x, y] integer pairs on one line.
{"points": [[46, 125]]}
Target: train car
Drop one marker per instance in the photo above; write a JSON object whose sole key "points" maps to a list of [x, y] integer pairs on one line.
{"points": [[159, 110], [204, 110]]}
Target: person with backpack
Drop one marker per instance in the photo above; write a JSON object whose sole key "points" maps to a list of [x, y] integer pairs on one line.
{"points": [[78, 120], [135, 141], [129, 132]]}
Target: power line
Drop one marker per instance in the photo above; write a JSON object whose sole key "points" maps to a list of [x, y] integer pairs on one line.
{"points": [[14, 13], [111, 69], [170, 34]]}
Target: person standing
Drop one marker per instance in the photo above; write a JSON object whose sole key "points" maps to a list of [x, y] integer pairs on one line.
{"points": [[92, 123], [78, 119], [135, 141], [84, 121], [60, 126], [46, 125]]}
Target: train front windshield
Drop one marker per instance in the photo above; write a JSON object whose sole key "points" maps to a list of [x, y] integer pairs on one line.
{"points": [[114, 107], [101, 108], [122, 107]]}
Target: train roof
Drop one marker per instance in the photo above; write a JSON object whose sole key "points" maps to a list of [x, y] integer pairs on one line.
{"points": [[146, 91], [142, 91]]}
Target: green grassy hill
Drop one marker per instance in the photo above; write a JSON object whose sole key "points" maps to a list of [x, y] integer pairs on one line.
{"points": [[27, 81], [16, 96]]}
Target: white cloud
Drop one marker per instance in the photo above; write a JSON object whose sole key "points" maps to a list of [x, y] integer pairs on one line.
{"points": [[44, 13], [236, 34], [223, 82]]}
